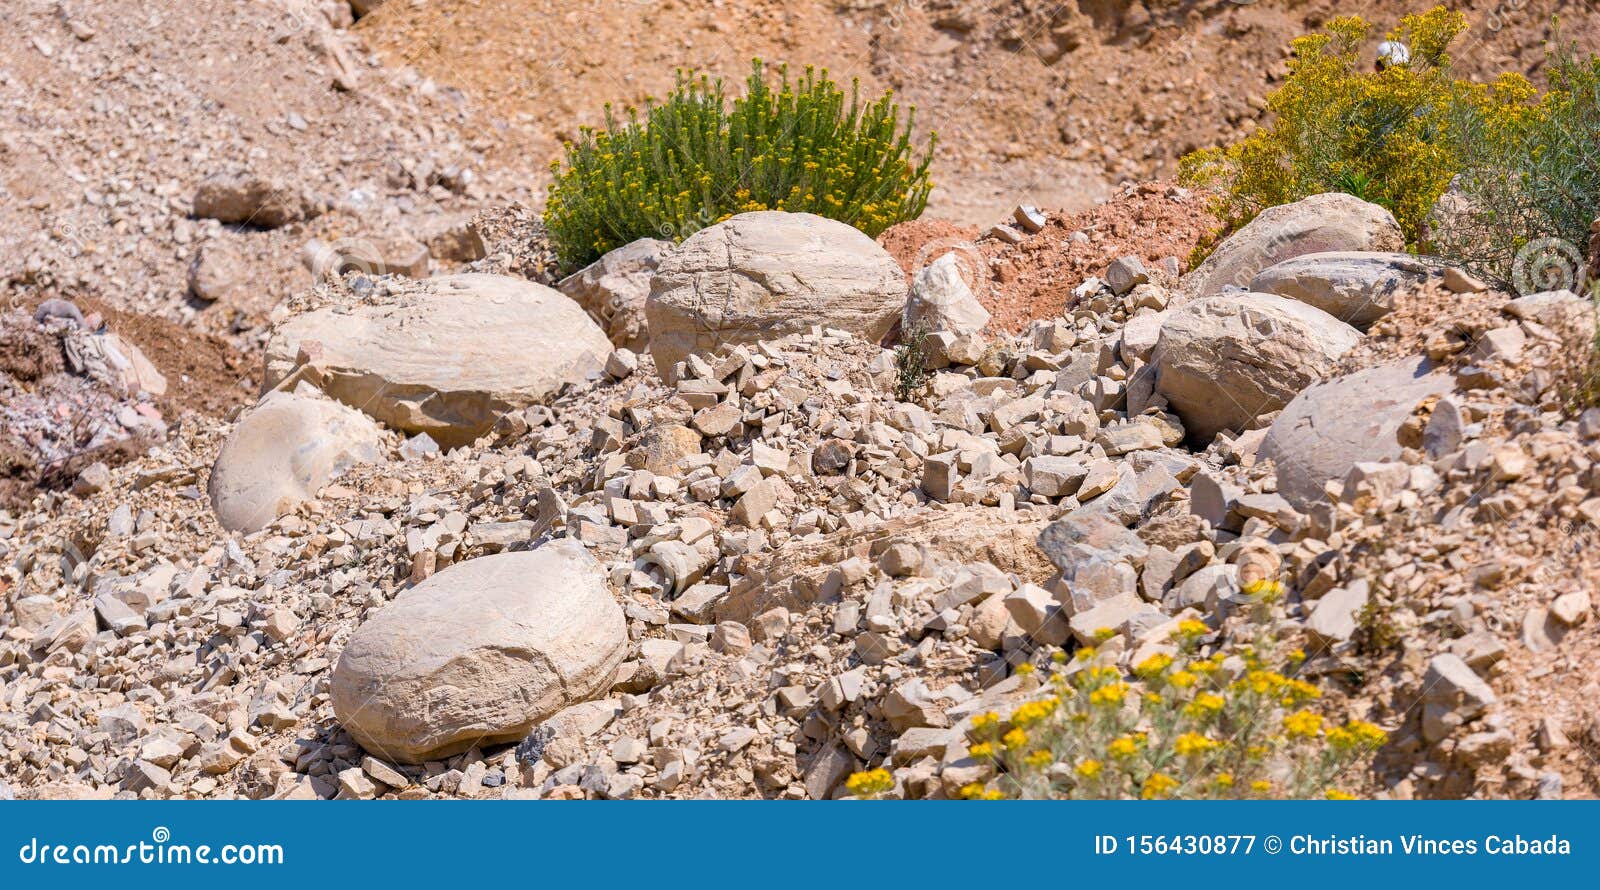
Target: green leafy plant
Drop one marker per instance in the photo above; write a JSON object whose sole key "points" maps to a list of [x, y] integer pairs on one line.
{"points": [[910, 362], [689, 162]]}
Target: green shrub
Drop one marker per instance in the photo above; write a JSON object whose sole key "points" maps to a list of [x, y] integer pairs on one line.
{"points": [[1390, 137], [688, 162], [1531, 187]]}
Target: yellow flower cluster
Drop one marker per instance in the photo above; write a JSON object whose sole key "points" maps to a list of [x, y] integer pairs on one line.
{"points": [[1392, 136], [1179, 722], [866, 784]]}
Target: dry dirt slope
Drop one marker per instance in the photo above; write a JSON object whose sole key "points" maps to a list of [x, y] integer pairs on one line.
{"points": [[1051, 101]]}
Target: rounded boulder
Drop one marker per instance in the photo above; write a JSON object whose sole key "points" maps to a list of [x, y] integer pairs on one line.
{"points": [[1338, 423], [480, 653], [762, 276], [443, 356], [1356, 287], [283, 450], [1223, 361], [1318, 224]]}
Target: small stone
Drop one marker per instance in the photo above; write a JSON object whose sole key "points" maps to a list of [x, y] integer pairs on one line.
{"points": [[1334, 617], [94, 478], [355, 785], [1458, 281], [622, 363], [1126, 273], [1030, 218], [1571, 608], [901, 559], [383, 772]]}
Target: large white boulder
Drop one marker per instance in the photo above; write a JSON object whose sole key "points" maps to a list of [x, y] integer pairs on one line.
{"points": [[763, 276], [1223, 361], [1356, 287], [480, 653], [284, 449], [443, 356], [1338, 423], [1317, 224]]}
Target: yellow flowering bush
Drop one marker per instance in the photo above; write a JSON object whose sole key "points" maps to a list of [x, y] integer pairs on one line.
{"points": [[1390, 136], [689, 162], [1532, 184], [1181, 723]]}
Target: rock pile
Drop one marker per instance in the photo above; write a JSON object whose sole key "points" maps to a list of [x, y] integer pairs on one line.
{"points": [[799, 553]]}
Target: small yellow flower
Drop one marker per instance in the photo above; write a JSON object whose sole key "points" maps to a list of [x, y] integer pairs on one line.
{"points": [[1182, 679], [1153, 666], [981, 750], [972, 791], [1123, 747], [1039, 759], [1191, 744], [1261, 786], [1088, 769], [1223, 780], [1025, 669], [1016, 738], [874, 781], [1103, 634], [1110, 695], [1302, 725], [1356, 734], [1205, 704], [1032, 712], [1191, 628], [1336, 794], [1157, 785]]}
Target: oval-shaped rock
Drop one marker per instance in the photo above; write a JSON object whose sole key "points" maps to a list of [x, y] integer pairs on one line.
{"points": [[1347, 420], [283, 450], [763, 276], [1223, 361], [480, 653], [444, 356], [1358, 288], [1318, 224]]}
